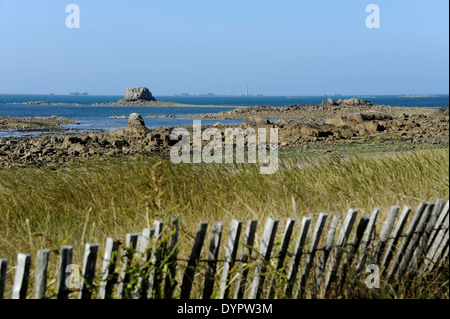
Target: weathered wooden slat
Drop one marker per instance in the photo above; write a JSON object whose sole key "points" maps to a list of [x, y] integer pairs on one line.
{"points": [[89, 262], [298, 252], [143, 254], [443, 257], [325, 254], [249, 240], [367, 241], [230, 257], [384, 234], [414, 241], [405, 242], [441, 241], [421, 246], [170, 281], [439, 222], [339, 248], [20, 286], [188, 277], [214, 246], [64, 272], [3, 269], [395, 238], [281, 255], [40, 274], [154, 281], [356, 241], [127, 257], [265, 251], [108, 268], [320, 225], [436, 237]]}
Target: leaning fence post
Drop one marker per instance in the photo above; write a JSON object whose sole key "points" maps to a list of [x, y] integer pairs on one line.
{"points": [[395, 238], [366, 241], [230, 257], [384, 235], [298, 252], [214, 246], [325, 254], [439, 244], [414, 241], [339, 249], [404, 245], [264, 251], [127, 256], [440, 220], [3, 268], [172, 259], [249, 240], [40, 285], [89, 262], [423, 238], [155, 273], [21, 279], [188, 277], [108, 268], [354, 246], [65, 262], [281, 255]]}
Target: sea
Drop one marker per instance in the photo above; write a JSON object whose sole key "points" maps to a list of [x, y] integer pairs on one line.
{"points": [[94, 118]]}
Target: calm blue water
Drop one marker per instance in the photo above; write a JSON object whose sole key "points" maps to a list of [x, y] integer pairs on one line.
{"points": [[97, 117]]}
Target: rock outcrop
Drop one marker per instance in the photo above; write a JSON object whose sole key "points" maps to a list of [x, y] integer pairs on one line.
{"points": [[138, 93], [136, 124]]}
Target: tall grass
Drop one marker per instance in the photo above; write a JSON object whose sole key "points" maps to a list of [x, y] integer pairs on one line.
{"points": [[95, 199]]}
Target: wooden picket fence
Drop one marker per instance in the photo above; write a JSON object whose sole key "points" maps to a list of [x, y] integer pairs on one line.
{"points": [[310, 271]]}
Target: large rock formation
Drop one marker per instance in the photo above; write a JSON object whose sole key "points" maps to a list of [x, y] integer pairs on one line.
{"points": [[138, 93]]}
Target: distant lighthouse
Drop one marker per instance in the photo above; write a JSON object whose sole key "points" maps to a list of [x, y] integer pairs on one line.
{"points": [[246, 90]]}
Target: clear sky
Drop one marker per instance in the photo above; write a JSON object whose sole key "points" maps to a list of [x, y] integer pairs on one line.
{"points": [[283, 47]]}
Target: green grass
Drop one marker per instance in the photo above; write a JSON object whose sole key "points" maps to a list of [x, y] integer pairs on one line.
{"points": [[90, 201]]}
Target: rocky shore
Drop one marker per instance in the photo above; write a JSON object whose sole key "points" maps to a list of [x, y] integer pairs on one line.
{"points": [[51, 123], [325, 127]]}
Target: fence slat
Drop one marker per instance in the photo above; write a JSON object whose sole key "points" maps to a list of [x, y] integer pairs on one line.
{"points": [[249, 240], [439, 245], [298, 251], [367, 241], [281, 255], [414, 242], [154, 281], [20, 286], [127, 256], [356, 241], [214, 246], [65, 260], [143, 254], [108, 268], [3, 269], [326, 253], [405, 242], [384, 234], [170, 282], [89, 262], [188, 277], [230, 257], [265, 250], [40, 275], [335, 260], [421, 247], [320, 225], [440, 220], [395, 238]]}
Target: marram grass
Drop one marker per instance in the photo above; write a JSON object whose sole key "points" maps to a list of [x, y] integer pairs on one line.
{"points": [[90, 201]]}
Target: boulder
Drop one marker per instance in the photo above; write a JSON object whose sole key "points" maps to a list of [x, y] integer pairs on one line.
{"points": [[136, 124], [256, 121], [138, 93]]}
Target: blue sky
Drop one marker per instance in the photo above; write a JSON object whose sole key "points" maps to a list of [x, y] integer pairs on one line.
{"points": [[285, 47]]}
